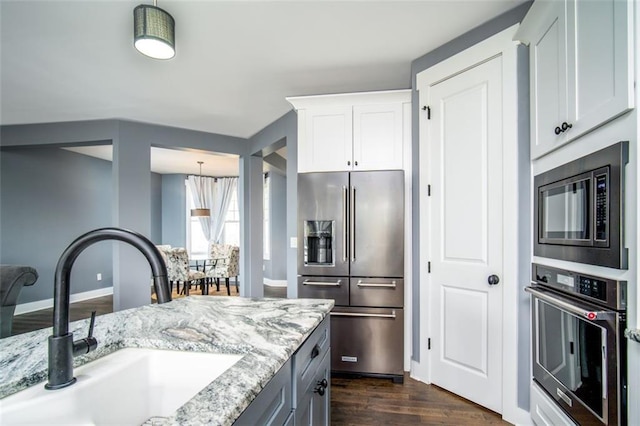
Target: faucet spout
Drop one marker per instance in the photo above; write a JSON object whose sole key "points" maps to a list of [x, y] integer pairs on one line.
{"points": [[62, 348]]}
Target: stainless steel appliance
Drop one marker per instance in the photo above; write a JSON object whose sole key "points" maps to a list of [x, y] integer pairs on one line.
{"points": [[579, 209], [579, 351], [351, 228]]}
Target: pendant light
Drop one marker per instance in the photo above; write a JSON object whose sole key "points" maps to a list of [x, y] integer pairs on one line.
{"points": [[154, 32], [201, 212]]}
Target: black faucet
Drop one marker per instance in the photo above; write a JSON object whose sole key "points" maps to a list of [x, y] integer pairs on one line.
{"points": [[62, 348]]}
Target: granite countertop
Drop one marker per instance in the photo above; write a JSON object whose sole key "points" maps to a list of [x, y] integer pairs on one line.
{"points": [[266, 331]]}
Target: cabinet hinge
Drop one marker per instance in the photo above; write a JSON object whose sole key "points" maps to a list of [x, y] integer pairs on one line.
{"points": [[428, 109], [428, 267], [429, 343]]}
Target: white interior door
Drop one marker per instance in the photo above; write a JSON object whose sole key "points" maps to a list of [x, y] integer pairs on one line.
{"points": [[464, 143]]}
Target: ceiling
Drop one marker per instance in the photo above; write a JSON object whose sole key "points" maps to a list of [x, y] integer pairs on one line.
{"points": [[236, 61]]}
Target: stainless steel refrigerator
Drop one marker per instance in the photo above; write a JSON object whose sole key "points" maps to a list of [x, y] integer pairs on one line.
{"points": [[351, 249]]}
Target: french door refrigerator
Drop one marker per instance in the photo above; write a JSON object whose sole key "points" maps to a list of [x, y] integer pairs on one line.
{"points": [[351, 234]]}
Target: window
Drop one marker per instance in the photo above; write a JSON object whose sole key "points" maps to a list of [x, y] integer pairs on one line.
{"points": [[231, 230], [197, 243], [266, 214]]}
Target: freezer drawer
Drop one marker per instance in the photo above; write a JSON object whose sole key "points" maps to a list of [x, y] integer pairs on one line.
{"points": [[336, 288], [382, 292], [367, 340]]}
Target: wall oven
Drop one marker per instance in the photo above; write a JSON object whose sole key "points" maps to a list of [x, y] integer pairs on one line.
{"points": [[579, 350], [579, 209]]}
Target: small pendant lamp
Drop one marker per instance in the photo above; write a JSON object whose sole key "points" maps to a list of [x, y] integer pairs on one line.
{"points": [[201, 212], [154, 32]]}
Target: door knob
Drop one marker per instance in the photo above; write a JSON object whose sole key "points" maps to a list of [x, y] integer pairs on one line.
{"points": [[493, 279]]}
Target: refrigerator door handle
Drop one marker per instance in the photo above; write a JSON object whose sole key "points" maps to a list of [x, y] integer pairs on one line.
{"points": [[362, 315], [392, 284], [322, 284], [345, 236], [352, 223]]}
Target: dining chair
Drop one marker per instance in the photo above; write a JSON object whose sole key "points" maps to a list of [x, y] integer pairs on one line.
{"points": [[226, 264], [178, 270]]}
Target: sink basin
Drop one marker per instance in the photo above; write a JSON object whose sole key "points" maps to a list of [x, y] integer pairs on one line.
{"points": [[126, 387]]}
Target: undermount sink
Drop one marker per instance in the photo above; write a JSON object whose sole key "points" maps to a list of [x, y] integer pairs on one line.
{"points": [[126, 387]]}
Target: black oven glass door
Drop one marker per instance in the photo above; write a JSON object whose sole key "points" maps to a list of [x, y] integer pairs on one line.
{"points": [[565, 212], [571, 350]]}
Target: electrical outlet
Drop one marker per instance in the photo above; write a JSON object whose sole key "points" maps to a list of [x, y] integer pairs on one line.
{"points": [[294, 242], [99, 276]]}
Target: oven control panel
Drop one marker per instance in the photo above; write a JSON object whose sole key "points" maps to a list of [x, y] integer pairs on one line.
{"points": [[592, 287], [604, 291]]}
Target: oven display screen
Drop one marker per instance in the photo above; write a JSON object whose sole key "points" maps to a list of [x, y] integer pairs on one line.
{"points": [[566, 280]]}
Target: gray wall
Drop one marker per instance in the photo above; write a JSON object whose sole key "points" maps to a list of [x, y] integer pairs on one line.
{"points": [[174, 217], [276, 267], [131, 183], [156, 208], [49, 197], [284, 132]]}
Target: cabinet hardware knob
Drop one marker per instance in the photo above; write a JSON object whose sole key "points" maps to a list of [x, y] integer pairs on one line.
{"points": [[493, 280], [348, 163], [558, 130], [566, 126], [323, 383], [356, 163], [319, 390]]}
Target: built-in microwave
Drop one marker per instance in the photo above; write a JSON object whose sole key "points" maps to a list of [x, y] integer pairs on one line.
{"points": [[579, 209]]}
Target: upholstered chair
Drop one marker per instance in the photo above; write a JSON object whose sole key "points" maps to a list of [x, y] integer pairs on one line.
{"points": [[179, 259], [226, 266], [12, 279]]}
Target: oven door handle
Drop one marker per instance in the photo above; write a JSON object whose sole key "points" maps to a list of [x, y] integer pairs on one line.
{"points": [[560, 303]]}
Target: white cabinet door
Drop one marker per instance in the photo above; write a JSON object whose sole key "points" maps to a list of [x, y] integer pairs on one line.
{"points": [[580, 68], [377, 137], [548, 76], [326, 139], [598, 64]]}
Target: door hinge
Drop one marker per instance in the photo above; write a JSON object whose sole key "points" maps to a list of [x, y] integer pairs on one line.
{"points": [[428, 190], [429, 343], [428, 267], [428, 109]]}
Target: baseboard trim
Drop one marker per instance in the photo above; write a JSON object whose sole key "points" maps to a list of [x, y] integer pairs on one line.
{"points": [[275, 283], [38, 305]]}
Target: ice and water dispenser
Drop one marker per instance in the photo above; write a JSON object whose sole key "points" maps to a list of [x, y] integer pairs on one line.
{"points": [[318, 244]]}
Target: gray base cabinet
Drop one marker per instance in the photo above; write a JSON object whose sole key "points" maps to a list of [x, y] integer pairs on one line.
{"points": [[300, 393], [314, 405], [272, 406]]}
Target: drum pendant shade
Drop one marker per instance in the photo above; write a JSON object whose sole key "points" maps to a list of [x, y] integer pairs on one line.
{"points": [[153, 32]]}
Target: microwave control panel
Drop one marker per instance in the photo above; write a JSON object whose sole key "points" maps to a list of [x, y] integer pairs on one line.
{"points": [[601, 208]]}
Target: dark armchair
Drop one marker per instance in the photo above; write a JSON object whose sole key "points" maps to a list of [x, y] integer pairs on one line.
{"points": [[12, 279]]}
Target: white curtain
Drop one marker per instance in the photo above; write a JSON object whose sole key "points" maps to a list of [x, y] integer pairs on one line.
{"points": [[225, 187], [214, 194]]}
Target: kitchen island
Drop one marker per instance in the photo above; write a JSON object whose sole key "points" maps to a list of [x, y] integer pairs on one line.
{"points": [[266, 332]]}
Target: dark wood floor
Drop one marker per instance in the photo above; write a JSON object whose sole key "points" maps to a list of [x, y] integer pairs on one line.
{"points": [[354, 401], [368, 401]]}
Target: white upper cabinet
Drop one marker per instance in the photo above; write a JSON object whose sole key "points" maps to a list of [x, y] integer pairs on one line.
{"points": [[581, 59], [359, 131]]}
